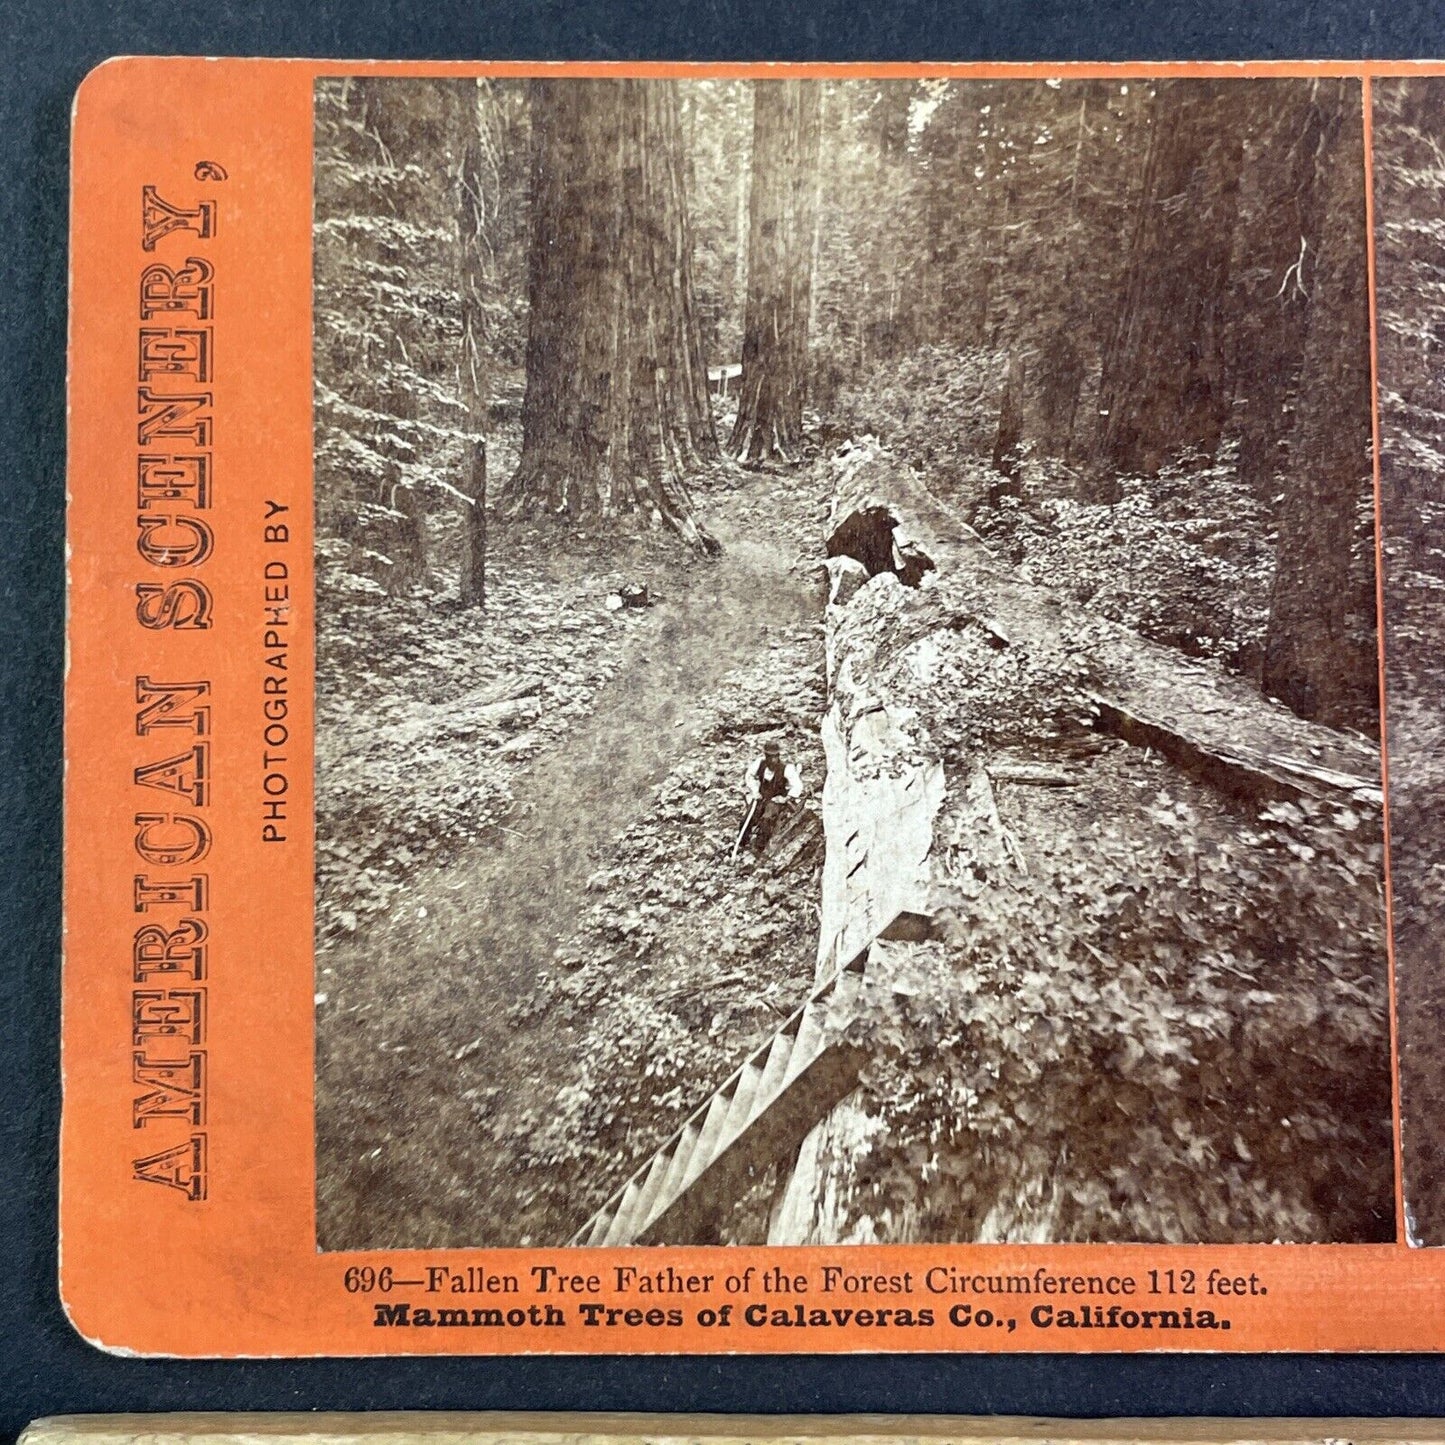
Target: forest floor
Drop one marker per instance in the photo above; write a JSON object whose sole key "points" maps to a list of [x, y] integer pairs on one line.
{"points": [[535, 956], [504, 1016]]}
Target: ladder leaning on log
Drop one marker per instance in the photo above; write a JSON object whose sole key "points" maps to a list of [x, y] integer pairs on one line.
{"points": [[760, 1114], [1205, 723]]}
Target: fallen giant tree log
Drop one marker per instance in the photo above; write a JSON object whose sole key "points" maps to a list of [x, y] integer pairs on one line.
{"points": [[1106, 924], [924, 623]]}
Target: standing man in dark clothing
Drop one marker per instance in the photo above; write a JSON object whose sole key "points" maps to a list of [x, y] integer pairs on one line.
{"points": [[771, 785]]}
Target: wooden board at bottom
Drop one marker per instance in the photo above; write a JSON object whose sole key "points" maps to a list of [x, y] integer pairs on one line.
{"points": [[496, 1428]]}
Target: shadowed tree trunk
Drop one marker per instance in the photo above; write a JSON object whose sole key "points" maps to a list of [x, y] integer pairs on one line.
{"points": [[1164, 387], [473, 571], [616, 409], [1320, 650], [407, 542], [780, 251], [470, 132], [469, 123], [1010, 434], [1277, 255], [1061, 372]]}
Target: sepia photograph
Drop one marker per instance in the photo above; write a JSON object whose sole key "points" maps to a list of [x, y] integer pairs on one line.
{"points": [[1410, 276], [848, 675]]}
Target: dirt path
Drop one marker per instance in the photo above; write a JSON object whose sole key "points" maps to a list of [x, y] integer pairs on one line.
{"points": [[430, 984]]}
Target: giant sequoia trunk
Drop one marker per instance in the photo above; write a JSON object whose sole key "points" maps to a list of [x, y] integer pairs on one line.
{"points": [[1276, 252], [780, 252], [1320, 650], [616, 410], [924, 839], [1164, 386]]}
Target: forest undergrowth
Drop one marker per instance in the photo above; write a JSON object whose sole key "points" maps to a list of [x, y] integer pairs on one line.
{"points": [[1157, 1008], [1128, 978], [1184, 556], [1165, 1019], [613, 956]]}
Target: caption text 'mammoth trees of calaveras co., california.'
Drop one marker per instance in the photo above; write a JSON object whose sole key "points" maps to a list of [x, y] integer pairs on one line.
{"points": [[616, 409]]}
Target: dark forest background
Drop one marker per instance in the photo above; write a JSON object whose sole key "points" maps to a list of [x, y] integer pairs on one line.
{"points": [[1123, 325]]}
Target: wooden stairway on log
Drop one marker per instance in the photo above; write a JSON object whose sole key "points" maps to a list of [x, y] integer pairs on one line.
{"points": [[761, 1113]]}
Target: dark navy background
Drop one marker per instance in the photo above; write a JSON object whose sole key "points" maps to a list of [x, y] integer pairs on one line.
{"points": [[47, 46]]}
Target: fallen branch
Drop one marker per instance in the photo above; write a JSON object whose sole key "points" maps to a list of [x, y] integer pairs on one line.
{"points": [[1006, 837], [1036, 776], [720, 982], [1238, 771]]}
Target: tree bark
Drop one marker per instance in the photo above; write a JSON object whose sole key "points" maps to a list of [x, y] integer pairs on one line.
{"points": [[1164, 386], [782, 202], [407, 542], [469, 205], [1276, 256], [616, 410], [1010, 434], [1320, 644], [473, 590], [815, 250], [1060, 381]]}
